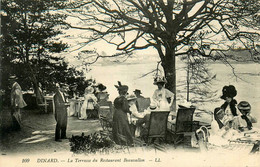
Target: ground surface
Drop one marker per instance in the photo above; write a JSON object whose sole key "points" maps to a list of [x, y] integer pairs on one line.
{"points": [[37, 133]]}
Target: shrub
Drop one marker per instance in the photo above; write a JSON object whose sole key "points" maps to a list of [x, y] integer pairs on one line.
{"points": [[91, 144]]}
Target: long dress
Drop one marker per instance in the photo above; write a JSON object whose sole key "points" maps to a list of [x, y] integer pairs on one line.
{"points": [[120, 122], [90, 101]]}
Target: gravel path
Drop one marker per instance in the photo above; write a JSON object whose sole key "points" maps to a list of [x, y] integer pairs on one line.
{"points": [[37, 133]]}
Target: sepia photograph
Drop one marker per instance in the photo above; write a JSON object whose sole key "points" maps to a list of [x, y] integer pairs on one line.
{"points": [[129, 83]]}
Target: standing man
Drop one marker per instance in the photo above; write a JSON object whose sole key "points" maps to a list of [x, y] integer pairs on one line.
{"points": [[17, 103], [138, 93], [61, 114]]}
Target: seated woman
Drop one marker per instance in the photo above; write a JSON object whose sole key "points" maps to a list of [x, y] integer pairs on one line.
{"points": [[244, 121], [229, 106], [221, 128]]}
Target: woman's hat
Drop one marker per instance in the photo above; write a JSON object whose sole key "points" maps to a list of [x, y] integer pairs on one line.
{"points": [[131, 97], [89, 89], [244, 106], [228, 91], [121, 87], [101, 87], [159, 79], [138, 91]]}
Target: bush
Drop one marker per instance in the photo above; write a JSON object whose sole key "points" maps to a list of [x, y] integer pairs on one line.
{"points": [[91, 144]]}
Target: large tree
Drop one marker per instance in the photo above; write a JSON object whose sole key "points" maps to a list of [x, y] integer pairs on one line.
{"points": [[29, 39], [172, 27]]}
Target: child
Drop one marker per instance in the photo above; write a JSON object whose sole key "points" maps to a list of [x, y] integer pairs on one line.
{"points": [[245, 120]]}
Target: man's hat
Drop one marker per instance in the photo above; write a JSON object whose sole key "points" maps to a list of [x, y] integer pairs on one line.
{"points": [[137, 91], [63, 85], [12, 77], [130, 97], [153, 106], [74, 85]]}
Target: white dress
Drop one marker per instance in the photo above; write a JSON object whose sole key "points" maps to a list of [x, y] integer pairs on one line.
{"points": [[87, 105], [160, 98]]}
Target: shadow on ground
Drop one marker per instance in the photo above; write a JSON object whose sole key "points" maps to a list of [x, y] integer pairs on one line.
{"points": [[37, 133]]}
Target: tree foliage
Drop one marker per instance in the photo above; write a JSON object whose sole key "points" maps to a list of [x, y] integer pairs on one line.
{"points": [[29, 43], [172, 27]]}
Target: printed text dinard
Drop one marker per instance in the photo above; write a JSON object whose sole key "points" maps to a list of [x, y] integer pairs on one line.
{"points": [[79, 160]]}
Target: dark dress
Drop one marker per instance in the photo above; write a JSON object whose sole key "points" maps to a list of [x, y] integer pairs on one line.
{"points": [[120, 122], [232, 105]]}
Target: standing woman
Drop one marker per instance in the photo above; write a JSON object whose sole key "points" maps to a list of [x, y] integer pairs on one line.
{"points": [[229, 106], [120, 120], [90, 100], [161, 95]]}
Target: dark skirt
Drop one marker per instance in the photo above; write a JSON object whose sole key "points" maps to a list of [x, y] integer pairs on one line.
{"points": [[121, 130]]}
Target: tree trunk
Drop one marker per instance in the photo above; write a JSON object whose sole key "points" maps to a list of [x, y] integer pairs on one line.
{"points": [[169, 67], [38, 93]]}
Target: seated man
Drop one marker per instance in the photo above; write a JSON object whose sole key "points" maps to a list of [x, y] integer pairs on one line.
{"points": [[244, 121]]}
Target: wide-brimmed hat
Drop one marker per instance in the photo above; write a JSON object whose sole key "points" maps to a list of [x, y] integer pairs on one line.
{"points": [[89, 89], [131, 97], [244, 106], [12, 77], [228, 91], [121, 87], [159, 79], [153, 106], [137, 91], [101, 87], [74, 85]]}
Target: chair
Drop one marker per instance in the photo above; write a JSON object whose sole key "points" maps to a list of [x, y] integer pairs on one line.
{"points": [[143, 103], [157, 126], [41, 101], [105, 114], [183, 126]]}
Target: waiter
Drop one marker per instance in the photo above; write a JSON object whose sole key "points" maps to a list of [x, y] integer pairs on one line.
{"points": [[61, 114]]}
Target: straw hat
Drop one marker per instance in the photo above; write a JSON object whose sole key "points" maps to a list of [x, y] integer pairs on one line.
{"points": [[12, 78], [74, 85], [131, 97], [89, 89], [244, 106], [153, 106]]}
